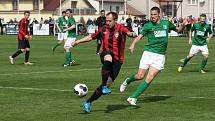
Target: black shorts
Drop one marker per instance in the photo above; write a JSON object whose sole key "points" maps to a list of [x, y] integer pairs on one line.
{"points": [[116, 66], [24, 43]]}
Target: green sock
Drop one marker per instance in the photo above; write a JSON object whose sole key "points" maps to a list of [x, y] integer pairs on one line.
{"points": [[70, 57], [185, 61], [58, 44], [130, 79], [66, 61], [143, 86], [204, 62]]}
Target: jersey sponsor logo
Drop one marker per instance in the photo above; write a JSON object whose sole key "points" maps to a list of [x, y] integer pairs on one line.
{"points": [[200, 33], [161, 33]]}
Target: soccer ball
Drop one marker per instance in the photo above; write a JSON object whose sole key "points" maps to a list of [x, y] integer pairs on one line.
{"points": [[80, 90]]}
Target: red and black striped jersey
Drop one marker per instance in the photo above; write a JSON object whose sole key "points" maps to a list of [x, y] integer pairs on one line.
{"points": [[113, 40], [23, 28]]}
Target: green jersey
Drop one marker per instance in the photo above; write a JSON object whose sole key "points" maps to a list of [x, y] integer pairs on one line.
{"points": [[71, 33], [157, 35], [200, 33], [62, 23]]}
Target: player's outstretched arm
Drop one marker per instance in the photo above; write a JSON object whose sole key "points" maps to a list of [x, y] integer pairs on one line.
{"points": [[85, 39], [70, 28], [131, 34], [209, 38], [132, 46], [182, 26], [190, 37]]}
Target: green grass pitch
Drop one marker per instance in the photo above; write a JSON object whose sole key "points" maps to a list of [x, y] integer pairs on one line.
{"points": [[44, 91]]}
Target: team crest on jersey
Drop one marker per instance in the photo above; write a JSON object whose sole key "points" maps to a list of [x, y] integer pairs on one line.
{"points": [[117, 34], [204, 29], [164, 26]]}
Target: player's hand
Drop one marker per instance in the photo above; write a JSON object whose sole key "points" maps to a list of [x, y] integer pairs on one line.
{"points": [[74, 44], [134, 34], [131, 49], [27, 37], [30, 37], [64, 30], [207, 40]]}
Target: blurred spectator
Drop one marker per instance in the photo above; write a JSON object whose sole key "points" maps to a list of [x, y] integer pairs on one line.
{"points": [[51, 26], [15, 21], [41, 20], [122, 21], [1, 26], [89, 22], [100, 22], [35, 21], [129, 22], [10, 22]]}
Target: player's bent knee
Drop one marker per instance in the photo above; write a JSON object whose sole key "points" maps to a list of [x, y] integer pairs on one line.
{"points": [[139, 76], [108, 58], [23, 50]]}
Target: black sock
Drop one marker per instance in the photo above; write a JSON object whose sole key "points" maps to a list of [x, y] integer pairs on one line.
{"points": [[106, 69], [96, 95], [16, 53], [27, 53], [98, 48]]}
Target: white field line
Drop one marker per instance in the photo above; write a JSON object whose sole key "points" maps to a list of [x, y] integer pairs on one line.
{"points": [[60, 90], [77, 70]]}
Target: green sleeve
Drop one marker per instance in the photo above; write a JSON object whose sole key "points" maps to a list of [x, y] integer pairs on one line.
{"points": [[144, 30], [60, 23], [72, 21], [171, 26]]}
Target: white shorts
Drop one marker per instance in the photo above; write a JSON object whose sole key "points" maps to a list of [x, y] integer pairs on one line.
{"points": [[194, 50], [69, 41], [62, 36], [150, 59]]}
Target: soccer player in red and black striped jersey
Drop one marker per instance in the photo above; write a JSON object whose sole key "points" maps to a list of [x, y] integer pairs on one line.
{"points": [[111, 54], [23, 39]]}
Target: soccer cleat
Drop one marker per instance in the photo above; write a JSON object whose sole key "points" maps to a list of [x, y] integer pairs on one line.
{"points": [[86, 106], [53, 49], [65, 65], [180, 68], [105, 90], [28, 63], [203, 71], [72, 62], [132, 101], [11, 60], [182, 60], [123, 85]]}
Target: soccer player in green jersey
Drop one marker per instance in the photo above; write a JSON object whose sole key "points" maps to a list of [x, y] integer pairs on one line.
{"points": [[153, 58], [199, 42], [71, 38], [62, 24]]}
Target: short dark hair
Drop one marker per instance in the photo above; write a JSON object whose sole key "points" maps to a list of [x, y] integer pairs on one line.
{"points": [[203, 15], [70, 10], [114, 14], [26, 12], [102, 11], [156, 9], [63, 12]]}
